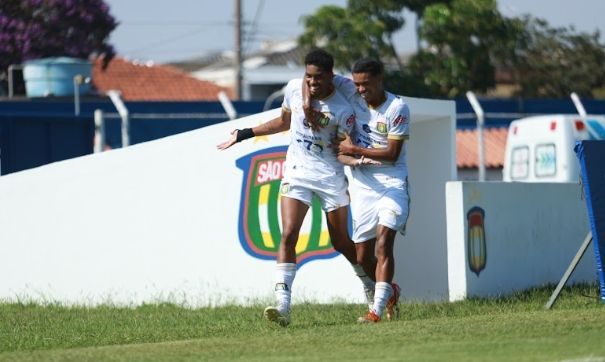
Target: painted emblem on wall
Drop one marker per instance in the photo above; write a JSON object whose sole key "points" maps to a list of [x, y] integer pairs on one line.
{"points": [[476, 248], [259, 213]]}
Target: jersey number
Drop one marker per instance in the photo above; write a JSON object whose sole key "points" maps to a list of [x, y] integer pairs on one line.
{"points": [[315, 147]]}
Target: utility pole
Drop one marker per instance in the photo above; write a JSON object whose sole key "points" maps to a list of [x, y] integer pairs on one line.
{"points": [[238, 49]]}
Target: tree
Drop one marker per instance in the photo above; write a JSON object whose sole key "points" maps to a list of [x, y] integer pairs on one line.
{"points": [[467, 40], [31, 29], [346, 34], [553, 62], [456, 45], [363, 28], [463, 42]]}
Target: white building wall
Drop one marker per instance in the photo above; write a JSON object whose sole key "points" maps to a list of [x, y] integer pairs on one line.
{"points": [[159, 221], [532, 232]]}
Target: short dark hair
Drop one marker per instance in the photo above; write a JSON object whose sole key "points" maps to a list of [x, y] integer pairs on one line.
{"points": [[321, 59], [368, 65]]}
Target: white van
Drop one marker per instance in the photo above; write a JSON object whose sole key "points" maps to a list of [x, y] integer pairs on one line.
{"points": [[541, 148]]}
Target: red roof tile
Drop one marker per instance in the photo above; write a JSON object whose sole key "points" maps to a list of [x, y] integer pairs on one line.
{"points": [[494, 141], [142, 82]]}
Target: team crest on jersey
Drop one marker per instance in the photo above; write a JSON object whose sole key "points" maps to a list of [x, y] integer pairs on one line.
{"points": [[259, 226], [323, 120], [381, 127]]}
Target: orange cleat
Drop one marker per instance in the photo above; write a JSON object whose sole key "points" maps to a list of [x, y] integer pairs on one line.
{"points": [[393, 303], [371, 317]]}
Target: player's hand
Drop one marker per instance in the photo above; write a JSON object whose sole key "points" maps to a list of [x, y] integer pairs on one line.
{"points": [[345, 146], [368, 161], [230, 142], [311, 115]]}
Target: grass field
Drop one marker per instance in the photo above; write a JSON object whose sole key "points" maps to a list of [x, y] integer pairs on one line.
{"points": [[515, 328]]}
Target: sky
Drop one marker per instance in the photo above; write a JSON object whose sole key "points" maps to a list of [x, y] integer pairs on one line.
{"points": [[164, 31]]}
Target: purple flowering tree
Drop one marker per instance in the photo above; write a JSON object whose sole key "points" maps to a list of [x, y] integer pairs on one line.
{"points": [[31, 29]]}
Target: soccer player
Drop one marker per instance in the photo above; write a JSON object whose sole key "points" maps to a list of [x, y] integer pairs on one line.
{"points": [[379, 195], [312, 168]]}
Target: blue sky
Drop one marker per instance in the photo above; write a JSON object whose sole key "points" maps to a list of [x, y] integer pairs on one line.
{"points": [[164, 31]]}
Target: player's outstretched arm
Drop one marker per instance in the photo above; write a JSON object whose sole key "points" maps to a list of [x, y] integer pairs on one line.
{"points": [[230, 142], [275, 125], [354, 162]]}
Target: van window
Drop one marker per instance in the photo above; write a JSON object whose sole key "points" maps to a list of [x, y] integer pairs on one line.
{"points": [[546, 160], [519, 163]]}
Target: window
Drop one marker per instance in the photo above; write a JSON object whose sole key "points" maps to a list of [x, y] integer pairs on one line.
{"points": [[546, 160], [519, 163]]}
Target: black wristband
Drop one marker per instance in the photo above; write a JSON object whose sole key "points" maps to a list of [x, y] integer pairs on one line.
{"points": [[244, 134]]}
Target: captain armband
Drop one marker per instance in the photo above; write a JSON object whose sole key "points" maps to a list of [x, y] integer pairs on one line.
{"points": [[244, 134]]}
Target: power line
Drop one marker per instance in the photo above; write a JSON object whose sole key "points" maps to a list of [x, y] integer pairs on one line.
{"points": [[175, 23], [254, 26], [166, 40]]}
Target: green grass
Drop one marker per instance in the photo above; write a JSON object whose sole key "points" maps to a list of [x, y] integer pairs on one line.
{"points": [[507, 329]]}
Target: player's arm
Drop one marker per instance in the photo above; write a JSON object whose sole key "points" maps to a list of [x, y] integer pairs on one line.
{"points": [[389, 153], [312, 116], [354, 161], [276, 125], [398, 133]]}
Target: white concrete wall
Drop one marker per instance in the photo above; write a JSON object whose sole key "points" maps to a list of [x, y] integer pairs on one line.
{"points": [[421, 256], [532, 232], [159, 221]]}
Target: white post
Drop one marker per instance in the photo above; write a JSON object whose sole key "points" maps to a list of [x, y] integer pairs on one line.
{"points": [[114, 95], [480, 121], [79, 79], [273, 96], [99, 131], [227, 105], [579, 106]]}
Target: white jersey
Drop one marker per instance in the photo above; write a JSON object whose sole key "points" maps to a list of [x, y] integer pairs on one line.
{"points": [[373, 128], [309, 160]]}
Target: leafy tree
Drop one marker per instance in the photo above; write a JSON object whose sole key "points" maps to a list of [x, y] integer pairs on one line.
{"points": [[553, 62], [458, 34], [31, 29], [467, 40], [346, 34], [363, 28]]}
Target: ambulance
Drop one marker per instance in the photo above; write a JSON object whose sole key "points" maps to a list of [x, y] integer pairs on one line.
{"points": [[541, 148]]}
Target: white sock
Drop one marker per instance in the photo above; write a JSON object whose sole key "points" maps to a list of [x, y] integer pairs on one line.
{"points": [[368, 284], [382, 295], [284, 277]]}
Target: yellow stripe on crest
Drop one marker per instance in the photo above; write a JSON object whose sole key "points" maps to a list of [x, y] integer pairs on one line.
{"points": [[324, 238], [263, 197], [268, 239], [303, 242]]}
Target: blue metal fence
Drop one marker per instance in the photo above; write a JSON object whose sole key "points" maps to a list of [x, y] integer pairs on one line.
{"points": [[34, 132]]}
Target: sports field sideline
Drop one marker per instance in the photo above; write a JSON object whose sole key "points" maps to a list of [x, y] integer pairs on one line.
{"points": [[515, 328]]}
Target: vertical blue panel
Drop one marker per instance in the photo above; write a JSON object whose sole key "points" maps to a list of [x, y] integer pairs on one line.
{"points": [[592, 162]]}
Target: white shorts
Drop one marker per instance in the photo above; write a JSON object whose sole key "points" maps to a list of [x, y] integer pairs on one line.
{"points": [[387, 206], [330, 200]]}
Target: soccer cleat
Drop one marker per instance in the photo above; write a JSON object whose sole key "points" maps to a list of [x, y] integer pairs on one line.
{"points": [[371, 317], [273, 315], [393, 303]]}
